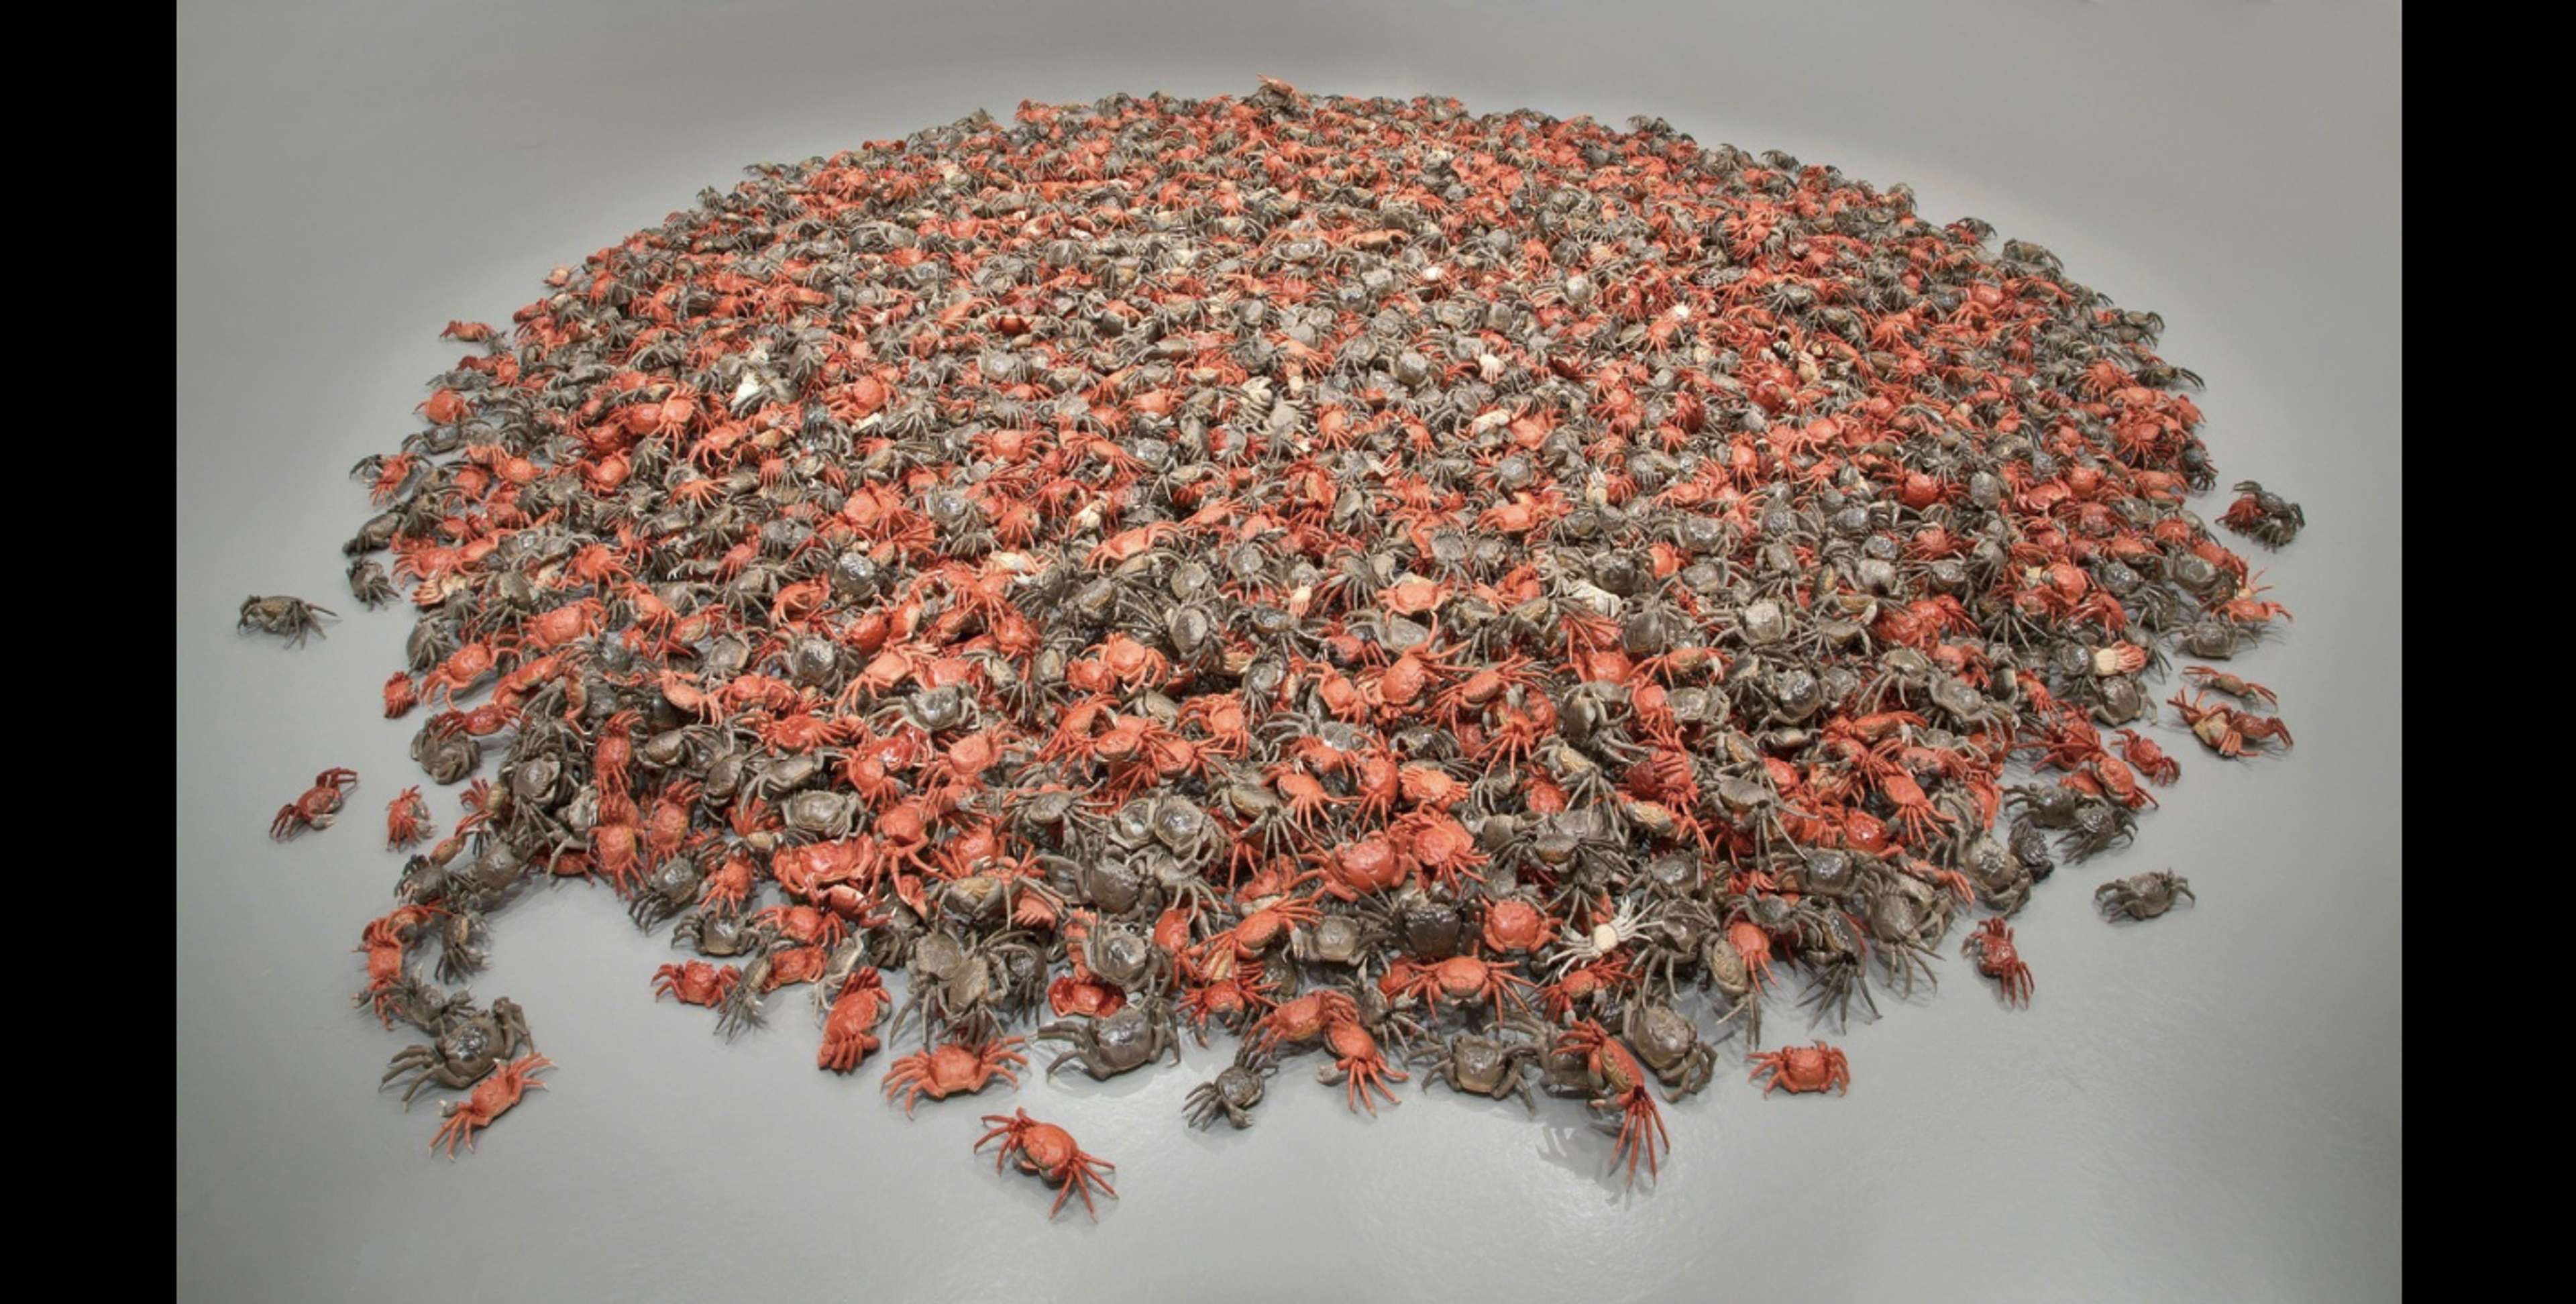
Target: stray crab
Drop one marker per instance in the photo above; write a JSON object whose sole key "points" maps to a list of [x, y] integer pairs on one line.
{"points": [[316, 808], [288, 618], [1803, 1068], [1048, 1151], [2142, 896], [2263, 516]]}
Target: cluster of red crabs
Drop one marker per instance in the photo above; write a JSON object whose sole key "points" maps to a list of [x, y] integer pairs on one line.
{"points": [[1493, 601]]}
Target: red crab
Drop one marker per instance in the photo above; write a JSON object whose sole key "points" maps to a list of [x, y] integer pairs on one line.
{"points": [[954, 1069], [1607, 974], [2223, 729], [463, 668], [492, 1098], [2106, 775], [2146, 758], [2248, 607], [696, 983], [385, 942], [1069, 996], [1303, 1019], [406, 818], [1621, 1083], [1048, 1151], [1513, 925], [315, 809], [846, 1030], [1262, 929], [2243, 690], [1991, 945], [1355, 869], [1458, 979], [1358, 1062], [1804, 1068]]}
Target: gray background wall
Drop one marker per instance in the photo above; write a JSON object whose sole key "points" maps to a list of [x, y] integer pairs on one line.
{"points": [[2206, 1106]]}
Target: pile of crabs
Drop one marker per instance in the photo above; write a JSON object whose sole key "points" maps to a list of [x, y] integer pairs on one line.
{"points": [[1493, 601]]}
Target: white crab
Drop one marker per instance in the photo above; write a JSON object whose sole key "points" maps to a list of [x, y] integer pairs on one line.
{"points": [[1603, 938]]}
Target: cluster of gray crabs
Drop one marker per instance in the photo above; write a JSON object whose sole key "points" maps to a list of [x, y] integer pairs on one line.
{"points": [[1490, 601]]}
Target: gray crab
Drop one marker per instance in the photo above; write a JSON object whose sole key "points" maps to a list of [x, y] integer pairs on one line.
{"points": [[288, 618], [2142, 896], [1232, 1094], [1135, 1036], [468, 1043], [1669, 1044], [1497, 1067]]}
